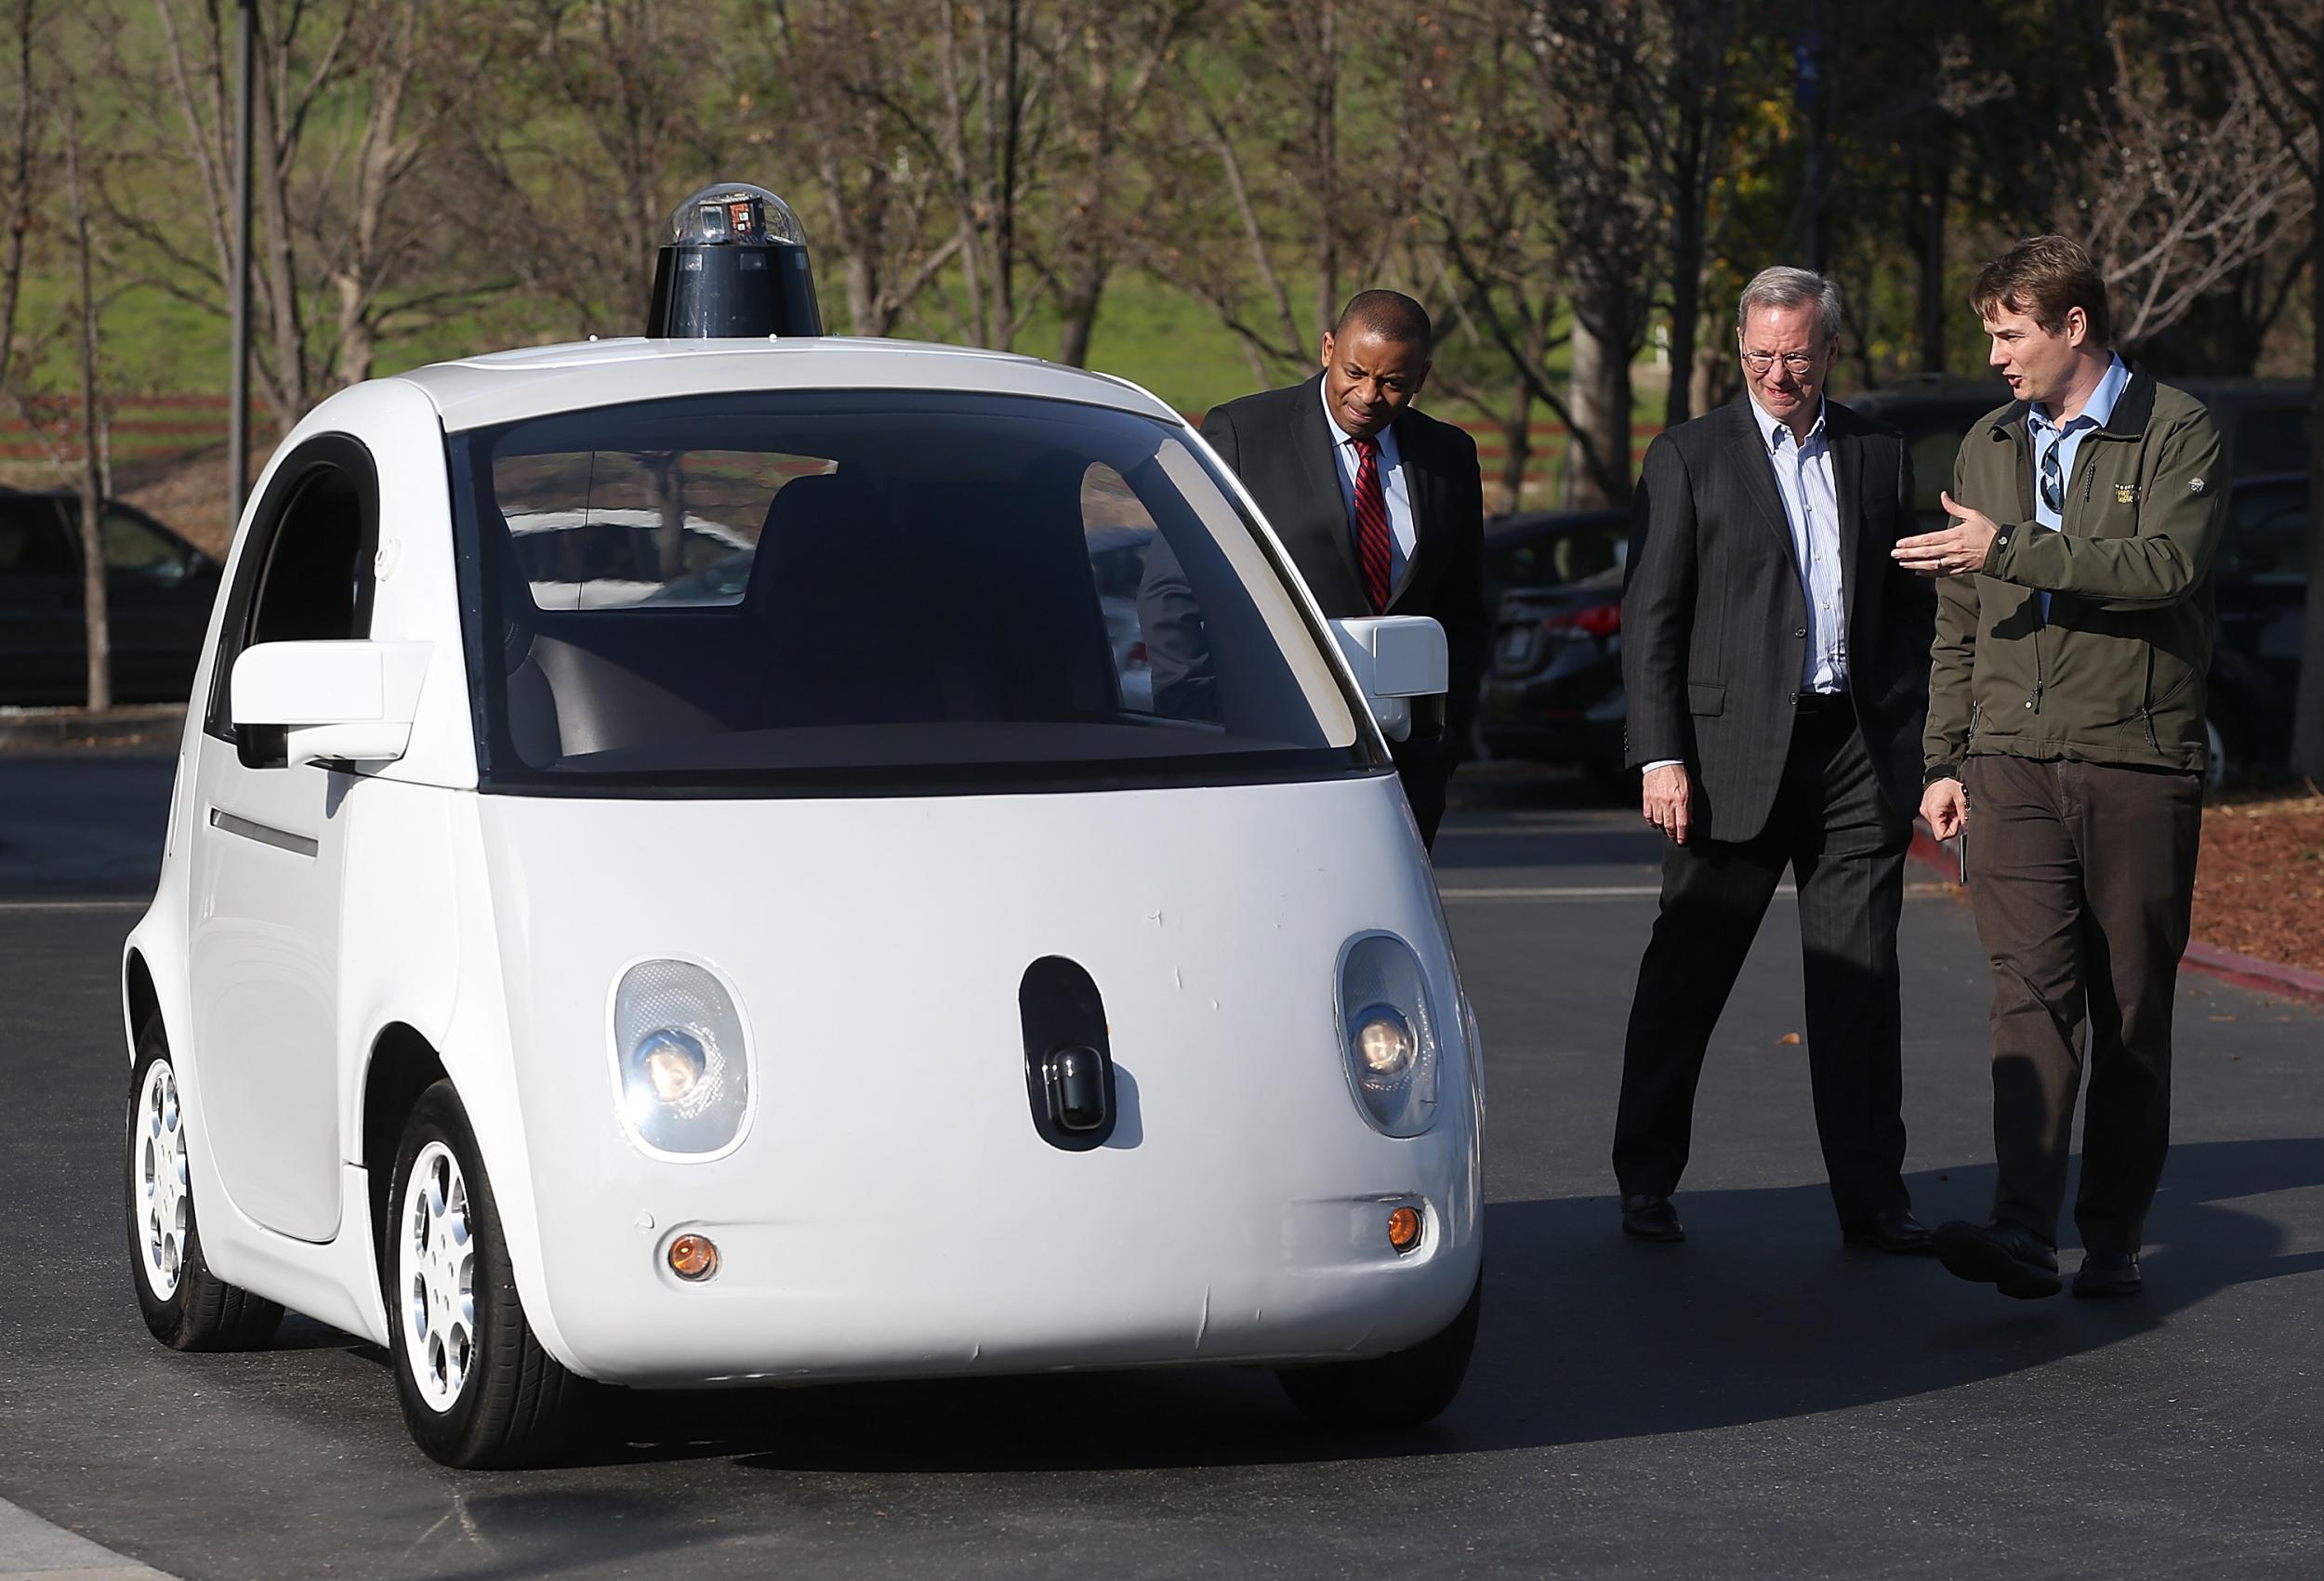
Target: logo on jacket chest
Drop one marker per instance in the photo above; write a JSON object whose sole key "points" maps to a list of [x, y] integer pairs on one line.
{"points": [[2126, 493]]}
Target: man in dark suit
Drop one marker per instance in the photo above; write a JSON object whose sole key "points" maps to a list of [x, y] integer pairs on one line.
{"points": [[1380, 506], [1775, 659]]}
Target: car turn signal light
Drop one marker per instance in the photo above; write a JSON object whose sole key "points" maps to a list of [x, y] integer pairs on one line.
{"points": [[1404, 1229]]}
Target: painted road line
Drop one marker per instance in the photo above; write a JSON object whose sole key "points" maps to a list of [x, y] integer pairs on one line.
{"points": [[122, 904], [31, 1550]]}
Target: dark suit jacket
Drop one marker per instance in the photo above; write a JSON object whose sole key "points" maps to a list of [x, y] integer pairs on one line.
{"points": [[1714, 612], [1280, 442]]}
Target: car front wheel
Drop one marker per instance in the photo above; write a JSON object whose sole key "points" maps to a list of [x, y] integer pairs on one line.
{"points": [[1401, 1389], [187, 1306], [475, 1386]]}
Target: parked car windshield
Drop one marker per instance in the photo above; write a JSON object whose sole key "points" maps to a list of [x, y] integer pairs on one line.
{"points": [[822, 592]]}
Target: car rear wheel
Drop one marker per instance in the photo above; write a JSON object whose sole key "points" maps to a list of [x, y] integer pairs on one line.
{"points": [[186, 1306], [475, 1386], [1401, 1389]]}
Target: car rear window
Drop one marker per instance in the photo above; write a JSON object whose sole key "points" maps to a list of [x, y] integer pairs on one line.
{"points": [[823, 592]]}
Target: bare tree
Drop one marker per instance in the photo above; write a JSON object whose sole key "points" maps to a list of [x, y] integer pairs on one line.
{"points": [[838, 65], [95, 617], [2178, 187], [1280, 172], [342, 239], [1111, 56], [25, 159], [596, 123]]}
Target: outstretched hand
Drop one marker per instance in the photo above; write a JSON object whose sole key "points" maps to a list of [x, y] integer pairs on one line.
{"points": [[1957, 550]]}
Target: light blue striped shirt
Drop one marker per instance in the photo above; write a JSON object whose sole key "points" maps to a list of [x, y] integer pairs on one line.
{"points": [[1811, 504], [2046, 433]]}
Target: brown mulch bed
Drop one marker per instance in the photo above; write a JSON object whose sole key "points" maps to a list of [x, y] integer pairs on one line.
{"points": [[2260, 887]]}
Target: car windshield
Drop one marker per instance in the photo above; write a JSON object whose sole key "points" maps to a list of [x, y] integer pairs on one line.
{"points": [[827, 592]]}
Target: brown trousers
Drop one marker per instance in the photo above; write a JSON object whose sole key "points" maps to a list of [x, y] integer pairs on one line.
{"points": [[2082, 878]]}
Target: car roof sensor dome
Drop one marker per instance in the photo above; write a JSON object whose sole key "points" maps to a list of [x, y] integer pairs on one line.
{"points": [[732, 265]]}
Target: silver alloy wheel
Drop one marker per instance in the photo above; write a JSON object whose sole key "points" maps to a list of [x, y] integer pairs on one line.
{"points": [[436, 1270], [2215, 760], [157, 1163]]}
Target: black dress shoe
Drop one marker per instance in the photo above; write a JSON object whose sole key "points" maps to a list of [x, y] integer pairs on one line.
{"points": [[1898, 1232], [1649, 1217], [2009, 1256], [2108, 1274]]}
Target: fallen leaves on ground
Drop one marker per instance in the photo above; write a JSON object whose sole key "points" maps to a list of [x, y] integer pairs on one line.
{"points": [[2260, 887]]}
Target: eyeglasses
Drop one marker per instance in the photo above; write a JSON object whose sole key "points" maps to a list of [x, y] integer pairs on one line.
{"points": [[1799, 362]]}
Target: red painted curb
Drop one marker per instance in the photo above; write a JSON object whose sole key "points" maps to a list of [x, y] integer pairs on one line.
{"points": [[2244, 971]]}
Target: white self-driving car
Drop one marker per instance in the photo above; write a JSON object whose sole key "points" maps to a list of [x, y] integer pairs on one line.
{"points": [[669, 883]]}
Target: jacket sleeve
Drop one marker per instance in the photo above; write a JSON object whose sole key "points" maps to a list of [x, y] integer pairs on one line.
{"points": [[1952, 660], [1461, 610], [1218, 429], [1658, 608], [2179, 525]]}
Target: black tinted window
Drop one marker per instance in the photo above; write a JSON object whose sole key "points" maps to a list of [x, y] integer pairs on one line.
{"points": [[316, 570], [823, 588]]}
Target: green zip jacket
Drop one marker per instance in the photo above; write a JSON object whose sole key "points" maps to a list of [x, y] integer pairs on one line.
{"points": [[2115, 674]]}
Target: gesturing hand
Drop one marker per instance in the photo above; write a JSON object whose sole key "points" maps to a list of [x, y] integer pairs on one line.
{"points": [[1667, 796], [1955, 551]]}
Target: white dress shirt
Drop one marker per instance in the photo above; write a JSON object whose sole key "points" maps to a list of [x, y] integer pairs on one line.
{"points": [[1811, 507], [1400, 533]]}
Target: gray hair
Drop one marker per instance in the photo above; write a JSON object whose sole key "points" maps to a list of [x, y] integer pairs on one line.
{"points": [[1785, 287]]}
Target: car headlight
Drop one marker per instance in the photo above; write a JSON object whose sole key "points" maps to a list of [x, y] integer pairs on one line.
{"points": [[682, 1064], [1387, 1034]]}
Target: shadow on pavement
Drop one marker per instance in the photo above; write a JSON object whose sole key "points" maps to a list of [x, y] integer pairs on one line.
{"points": [[1762, 1316]]}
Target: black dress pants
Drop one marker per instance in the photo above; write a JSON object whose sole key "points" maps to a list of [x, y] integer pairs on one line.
{"points": [[1845, 846]]}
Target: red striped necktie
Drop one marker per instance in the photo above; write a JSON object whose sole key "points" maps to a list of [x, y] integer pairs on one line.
{"points": [[1373, 554]]}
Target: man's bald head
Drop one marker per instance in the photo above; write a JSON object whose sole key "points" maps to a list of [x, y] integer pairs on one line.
{"points": [[1391, 315], [1375, 361]]}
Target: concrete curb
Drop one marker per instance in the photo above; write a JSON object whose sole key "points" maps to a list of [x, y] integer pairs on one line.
{"points": [[2244, 971], [33, 729], [31, 1550]]}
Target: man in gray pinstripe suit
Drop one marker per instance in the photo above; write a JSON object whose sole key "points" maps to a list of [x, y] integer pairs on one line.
{"points": [[1775, 661]]}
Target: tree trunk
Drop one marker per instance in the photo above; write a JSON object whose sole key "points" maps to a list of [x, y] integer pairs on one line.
{"points": [[1517, 434], [1601, 409], [93, 610]]}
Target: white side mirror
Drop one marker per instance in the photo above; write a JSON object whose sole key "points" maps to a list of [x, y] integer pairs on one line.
{"points": [[1395, 658], [351, 701]]}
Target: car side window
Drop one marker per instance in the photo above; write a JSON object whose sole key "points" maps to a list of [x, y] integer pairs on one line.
{"points": [[306, 573], [133, 547], [35, 540]]}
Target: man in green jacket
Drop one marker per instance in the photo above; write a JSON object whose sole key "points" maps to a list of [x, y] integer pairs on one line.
{"points": [[2066, 708]]}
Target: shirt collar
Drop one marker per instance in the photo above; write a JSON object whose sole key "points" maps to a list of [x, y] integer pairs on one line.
{"points": [[2099, 409], [1773, 431], [1341, 439]]}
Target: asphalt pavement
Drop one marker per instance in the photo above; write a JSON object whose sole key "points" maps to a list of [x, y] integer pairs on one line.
{"points": [[1755, 1403]]}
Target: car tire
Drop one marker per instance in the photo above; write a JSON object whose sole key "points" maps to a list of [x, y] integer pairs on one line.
{"points": [[475, 1387], [186, 1306], [1403, 1388], [2222, 764]]}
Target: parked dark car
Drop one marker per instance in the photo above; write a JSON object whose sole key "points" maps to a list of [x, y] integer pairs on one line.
{"points": [[2261, 583], [158, 591], [1554, 685]]}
